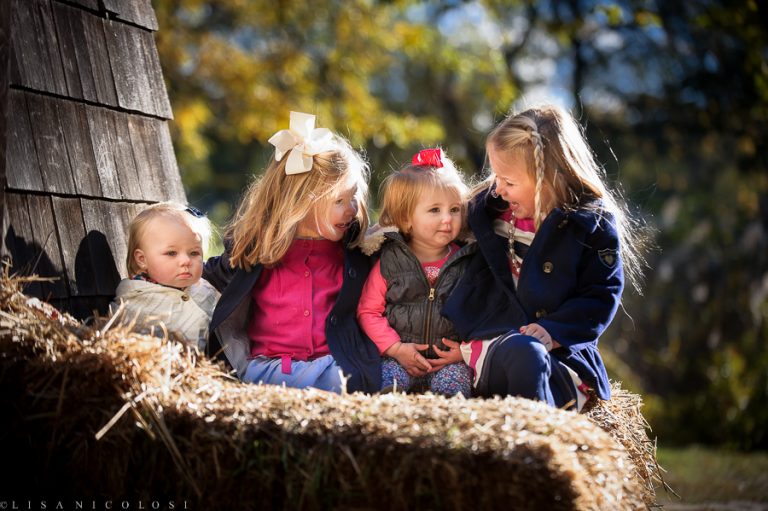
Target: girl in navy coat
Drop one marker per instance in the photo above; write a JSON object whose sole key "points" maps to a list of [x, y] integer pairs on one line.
{"points": [[555, 245], [291, 276]]}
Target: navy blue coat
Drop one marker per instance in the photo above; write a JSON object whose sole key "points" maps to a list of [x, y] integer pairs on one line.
{"points": [[352, 350], [570, 283]]}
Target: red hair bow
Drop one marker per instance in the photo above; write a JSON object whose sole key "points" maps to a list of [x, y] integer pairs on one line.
{"points": [[430, 157]]}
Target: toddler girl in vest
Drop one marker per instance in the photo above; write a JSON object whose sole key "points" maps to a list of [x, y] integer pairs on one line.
{"points": [[419, 264], [291, 276], [165, 261]]}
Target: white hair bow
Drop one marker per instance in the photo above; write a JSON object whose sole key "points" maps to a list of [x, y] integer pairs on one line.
{"points": [[303, 141]]}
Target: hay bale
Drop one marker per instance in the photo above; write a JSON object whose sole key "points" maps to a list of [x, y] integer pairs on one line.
{"points": [[106, 413]]}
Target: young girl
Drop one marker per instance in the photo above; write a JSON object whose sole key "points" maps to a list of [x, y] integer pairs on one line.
{"points": [[555, 245], [291, 277], [419, 265], [165, 262]]}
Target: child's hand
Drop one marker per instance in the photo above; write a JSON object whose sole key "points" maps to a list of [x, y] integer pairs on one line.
{"points": [[408, 356], [540, 333], [450, 356]]}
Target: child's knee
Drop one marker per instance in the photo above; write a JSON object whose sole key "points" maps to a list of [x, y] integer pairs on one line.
{"points": [[519, 349]]}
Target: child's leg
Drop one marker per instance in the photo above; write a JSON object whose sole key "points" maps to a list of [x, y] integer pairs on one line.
{"points": [[452, 379], [321, 373], [391, 372]]}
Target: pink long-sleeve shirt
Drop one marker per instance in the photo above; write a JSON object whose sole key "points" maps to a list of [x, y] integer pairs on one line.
{"points": [[293, 299], [370, 310]]}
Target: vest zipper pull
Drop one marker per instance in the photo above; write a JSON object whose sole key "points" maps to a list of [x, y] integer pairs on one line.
{"points": [[431, 294]]}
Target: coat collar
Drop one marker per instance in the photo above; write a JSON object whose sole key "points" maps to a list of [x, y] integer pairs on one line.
{"points": [[484, 208]]}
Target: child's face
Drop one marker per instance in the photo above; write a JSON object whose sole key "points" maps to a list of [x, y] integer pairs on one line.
{"points": [[333, 222], [170, 252], [436, 220], [513, 183]]}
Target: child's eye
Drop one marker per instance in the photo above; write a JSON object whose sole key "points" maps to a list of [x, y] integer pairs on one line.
{"points": [[456, 209], [339, 201], [195, 253], [434, 210], [171, 253]]}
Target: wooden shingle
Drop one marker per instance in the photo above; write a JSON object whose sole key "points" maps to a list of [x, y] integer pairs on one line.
{"points": [[33, 243], [50, 145], [93, 28], [138, 12], [107, 241], [68, 44], [33, 69], [171, 178], [125, 50], [147, 158], [130, 185], [79, 266], [77, 137], [50, 263], [23, 169], [103, 141], [45, 29], [18, 241], [73, 45], [155, 75]]}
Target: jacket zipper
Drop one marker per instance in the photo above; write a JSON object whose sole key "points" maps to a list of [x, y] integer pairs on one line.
{"points": [[427, 330], [428, 320]]}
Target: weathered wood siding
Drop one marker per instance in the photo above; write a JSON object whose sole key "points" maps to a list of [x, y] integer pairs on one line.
{"points": [[84, 141]]}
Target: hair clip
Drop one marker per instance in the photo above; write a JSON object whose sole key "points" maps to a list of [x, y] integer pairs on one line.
{"points": [[301, 141], [429, 157], [195, 212]]}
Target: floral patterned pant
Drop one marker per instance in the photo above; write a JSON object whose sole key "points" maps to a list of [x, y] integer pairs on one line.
{"points": [[450, 380]]}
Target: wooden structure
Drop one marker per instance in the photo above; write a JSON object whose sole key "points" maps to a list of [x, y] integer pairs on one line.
{"points": [[84, 141]]}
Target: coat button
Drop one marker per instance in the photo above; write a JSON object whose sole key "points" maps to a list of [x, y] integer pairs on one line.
{"points": [[185, 297], [306, 312], [563, 223], [333, 319], [352, 273], [547, 267], [540, 313]]}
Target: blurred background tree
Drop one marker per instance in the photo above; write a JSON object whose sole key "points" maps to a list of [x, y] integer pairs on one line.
{"points": [[674, 98]]}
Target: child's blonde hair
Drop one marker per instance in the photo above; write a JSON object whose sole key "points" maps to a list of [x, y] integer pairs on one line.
{"points": [[191, 217], [401, 190], [267, 218], [566, 174]]}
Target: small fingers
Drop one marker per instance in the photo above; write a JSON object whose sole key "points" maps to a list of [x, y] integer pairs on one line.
{"points": [[451, 344]]}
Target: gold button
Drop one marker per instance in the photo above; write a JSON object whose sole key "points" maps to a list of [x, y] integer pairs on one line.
{"points": [[540, 313], [548, 267], [185, 297]]}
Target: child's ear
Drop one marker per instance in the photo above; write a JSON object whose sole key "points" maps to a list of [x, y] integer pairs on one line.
{"points": [[140, 258]]}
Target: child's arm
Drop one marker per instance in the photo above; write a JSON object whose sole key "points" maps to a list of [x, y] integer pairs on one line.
{"points": [[370, 315], [600, 282], [370, 311], [218, 271]]}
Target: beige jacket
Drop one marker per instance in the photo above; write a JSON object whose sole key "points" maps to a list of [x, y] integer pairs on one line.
{"points": [[187, 313]]}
